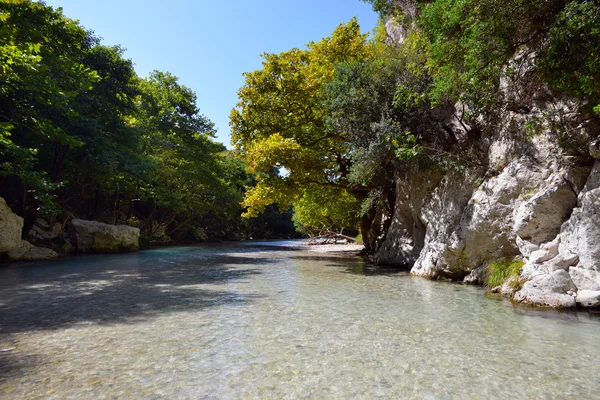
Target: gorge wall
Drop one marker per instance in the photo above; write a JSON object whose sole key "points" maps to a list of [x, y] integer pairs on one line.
{"points": [[533, 199]]}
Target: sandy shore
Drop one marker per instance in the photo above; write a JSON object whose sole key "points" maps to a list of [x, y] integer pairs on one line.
{"points": [[334, 248]]}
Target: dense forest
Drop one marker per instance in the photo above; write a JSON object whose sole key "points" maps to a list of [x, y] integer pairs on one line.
{"points": [[81, 135]]}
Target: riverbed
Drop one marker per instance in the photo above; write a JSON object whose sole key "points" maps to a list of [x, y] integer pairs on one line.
{"points": [[271, 321]]}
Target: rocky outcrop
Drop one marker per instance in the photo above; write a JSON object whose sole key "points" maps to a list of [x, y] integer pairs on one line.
{"points": [[11, 226], [536, 200], [12, 247], [97, 237]]}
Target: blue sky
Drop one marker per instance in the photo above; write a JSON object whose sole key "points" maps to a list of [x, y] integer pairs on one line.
{"points": [[209, 44]]}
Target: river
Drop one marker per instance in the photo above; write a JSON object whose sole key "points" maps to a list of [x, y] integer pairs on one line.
{"points": [[267, 321]]}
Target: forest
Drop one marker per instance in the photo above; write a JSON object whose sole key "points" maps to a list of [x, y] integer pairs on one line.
{"points": [[81, 135], [320, 133]]}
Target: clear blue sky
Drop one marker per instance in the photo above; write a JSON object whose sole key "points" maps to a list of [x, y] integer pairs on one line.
{"points": [[209, 44]]}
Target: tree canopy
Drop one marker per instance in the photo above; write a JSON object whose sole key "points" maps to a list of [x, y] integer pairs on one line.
{"points": [[82, 134]]}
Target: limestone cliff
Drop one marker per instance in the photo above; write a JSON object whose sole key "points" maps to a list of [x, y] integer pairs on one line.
{"points": [[532, 195]]}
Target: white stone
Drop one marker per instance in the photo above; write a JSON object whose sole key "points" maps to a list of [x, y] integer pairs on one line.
{"points": [[588, 298], [550, 289], [585, 279]]}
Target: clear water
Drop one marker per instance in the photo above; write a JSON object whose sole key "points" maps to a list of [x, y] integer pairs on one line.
{"points": [[268, 322]]}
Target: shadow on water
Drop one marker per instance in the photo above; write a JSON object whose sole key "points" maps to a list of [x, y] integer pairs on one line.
{"points": [[351, 264], [118, 288]]}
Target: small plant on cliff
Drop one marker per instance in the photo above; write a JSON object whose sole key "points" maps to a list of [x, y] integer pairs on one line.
{"points": [[498, 272]]}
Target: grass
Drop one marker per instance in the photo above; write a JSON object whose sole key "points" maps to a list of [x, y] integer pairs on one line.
{"points": [[498, 272], [358, 239]]}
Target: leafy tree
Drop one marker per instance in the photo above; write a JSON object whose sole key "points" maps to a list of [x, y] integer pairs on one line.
{"points": [[281, 122], [42, 69]]}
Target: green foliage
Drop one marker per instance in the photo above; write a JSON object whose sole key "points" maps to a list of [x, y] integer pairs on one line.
{"points": [[282, 121], [320, 210], [570, 59], [81, 132], [498, 272]]}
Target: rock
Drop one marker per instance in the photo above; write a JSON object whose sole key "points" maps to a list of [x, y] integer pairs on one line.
{"points": [[59, 244], [561, 261], [539, 219], [581, 233], [28, 252], [585, 279], [158, 231], [540, 256], [11, 227], [18, 252], [42, 224], [552, 247], [475, 277], [97, 237], [56, 228], [38, 253], [548, 288], [200, 234], [526, 248], [588, 298]]}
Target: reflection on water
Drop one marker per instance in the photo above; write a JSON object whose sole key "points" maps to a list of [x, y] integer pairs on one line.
{"points": [[268, 321]]}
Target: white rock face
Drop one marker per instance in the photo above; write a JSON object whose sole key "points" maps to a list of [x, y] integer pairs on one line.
{"points": [[585, 279], [581, 233], [11, 226], [97, 237], [531, 204], [538, 219]]}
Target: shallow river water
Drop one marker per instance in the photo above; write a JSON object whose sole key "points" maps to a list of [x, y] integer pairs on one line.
{"points": [[269, 322]]}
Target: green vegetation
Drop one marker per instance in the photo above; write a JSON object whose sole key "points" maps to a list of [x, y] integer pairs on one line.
{"points": [[326, 130], [498, 272], [349, 115], [81, 134]]}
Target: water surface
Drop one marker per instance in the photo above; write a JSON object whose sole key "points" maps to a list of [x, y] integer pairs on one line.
{"points": [[266, 321]]}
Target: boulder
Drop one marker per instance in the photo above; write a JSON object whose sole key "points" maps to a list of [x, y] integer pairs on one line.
{"points": [[476, 277], [585, 279], [38, 253], [200, 234], [539, 219], [28, 252], [11, 227], [97, 237], [588, 298], [548, 288], [19, 251]]}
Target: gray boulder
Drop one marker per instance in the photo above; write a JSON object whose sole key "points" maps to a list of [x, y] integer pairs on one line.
{"points": [[548, 288], [28, 252], [97, 237]]}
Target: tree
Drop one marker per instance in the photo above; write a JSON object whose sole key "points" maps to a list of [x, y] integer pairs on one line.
{"points": [[280, 123]]}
